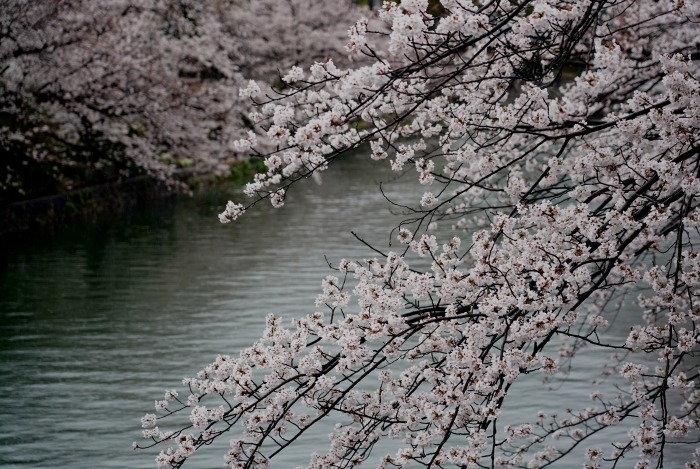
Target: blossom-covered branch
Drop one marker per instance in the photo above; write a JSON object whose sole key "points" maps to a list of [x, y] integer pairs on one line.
{"points": [[559, 140]]}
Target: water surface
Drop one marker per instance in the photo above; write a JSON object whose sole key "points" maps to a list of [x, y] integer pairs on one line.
{"points": [[96, 320]]}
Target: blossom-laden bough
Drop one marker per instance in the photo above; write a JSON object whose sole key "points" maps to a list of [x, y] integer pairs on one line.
{"points": [[560, 140]]}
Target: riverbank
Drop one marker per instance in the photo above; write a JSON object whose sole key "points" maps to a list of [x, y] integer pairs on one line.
{"points": [[101, 200], [83, 204]]}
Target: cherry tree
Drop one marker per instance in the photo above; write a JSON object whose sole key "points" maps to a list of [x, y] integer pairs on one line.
{"points": [[558, 141], [99, 90]]}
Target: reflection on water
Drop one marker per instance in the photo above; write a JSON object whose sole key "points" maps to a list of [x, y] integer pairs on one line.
{"points": [[97, 320]]}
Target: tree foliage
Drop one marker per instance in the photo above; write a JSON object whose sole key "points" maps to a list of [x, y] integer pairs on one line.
{"points": [[559, 140], [92, 91]]}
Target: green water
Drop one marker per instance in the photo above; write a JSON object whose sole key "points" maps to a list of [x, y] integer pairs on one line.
{"points": [[98, 319]]}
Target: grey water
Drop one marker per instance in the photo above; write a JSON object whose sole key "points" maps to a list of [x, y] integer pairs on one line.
{"points": [[98, 319]]}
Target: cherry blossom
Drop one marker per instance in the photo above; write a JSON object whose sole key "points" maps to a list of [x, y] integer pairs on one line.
{"points": [[559, 141], [94, 91]]}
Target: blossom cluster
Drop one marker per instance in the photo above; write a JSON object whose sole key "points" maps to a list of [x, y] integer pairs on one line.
{"points": [[559, 141]]}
